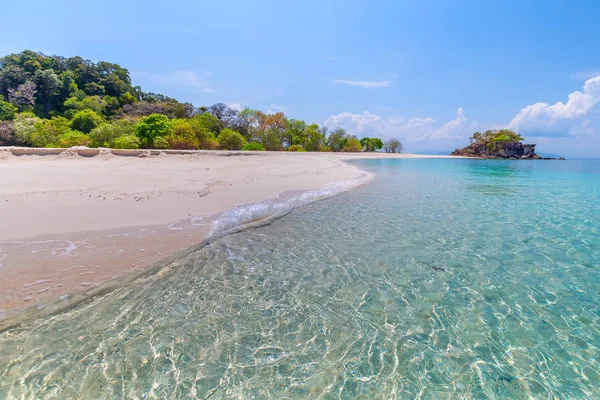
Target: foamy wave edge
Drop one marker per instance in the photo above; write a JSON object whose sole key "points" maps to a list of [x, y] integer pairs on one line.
{"points": [[234, 220], [248, 215]]}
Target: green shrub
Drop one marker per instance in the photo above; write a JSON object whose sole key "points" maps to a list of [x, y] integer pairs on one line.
{"points": [[207, 122], [73, 138], [210, 144], [352, 146], [127, 98], [206, 139], [85, 120], [296, 147], [182, 136], [7, 110], [24, 127], [82, 102], [325, 149], [127, 142], [40, 132], [270, 140], [231, 140], [105, 134], [161, 142], [151, 127], [253, 146]]}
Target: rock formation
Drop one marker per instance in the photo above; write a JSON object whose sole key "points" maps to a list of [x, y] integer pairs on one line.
{"points": [[498, 144]]}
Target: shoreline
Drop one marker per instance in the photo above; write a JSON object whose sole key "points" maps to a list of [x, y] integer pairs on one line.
{"points": [[60, 265]]}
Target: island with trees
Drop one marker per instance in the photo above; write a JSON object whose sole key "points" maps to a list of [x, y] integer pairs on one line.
{"points": [[53, 101], [503, 143]]}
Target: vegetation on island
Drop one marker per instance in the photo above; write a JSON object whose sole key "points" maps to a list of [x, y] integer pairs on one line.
{"points": [[502, 143], [53, 101]]}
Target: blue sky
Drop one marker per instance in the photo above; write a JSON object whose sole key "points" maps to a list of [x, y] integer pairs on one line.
{"points": [[427, 72]]}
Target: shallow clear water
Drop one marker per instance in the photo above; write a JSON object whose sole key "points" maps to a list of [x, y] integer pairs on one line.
{"points": [[438, 279]]}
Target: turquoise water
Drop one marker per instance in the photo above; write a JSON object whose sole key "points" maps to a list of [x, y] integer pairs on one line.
{"points": [[437, 279]]}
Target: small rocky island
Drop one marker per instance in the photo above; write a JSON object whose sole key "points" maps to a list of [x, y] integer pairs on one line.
{"points": [[502, 143]]}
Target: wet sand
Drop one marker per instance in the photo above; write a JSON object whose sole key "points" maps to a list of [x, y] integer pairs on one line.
{"points": [[73, 220]]}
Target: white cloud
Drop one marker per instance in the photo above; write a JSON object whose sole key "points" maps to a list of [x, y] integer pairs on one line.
{"points": [[235, 106], [179, 79], [275, 108], [575, 117], [412, 129], [363, 84], [585, 75]]}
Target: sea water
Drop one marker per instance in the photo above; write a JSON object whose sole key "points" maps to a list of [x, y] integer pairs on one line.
{"points": [[440, 278]]}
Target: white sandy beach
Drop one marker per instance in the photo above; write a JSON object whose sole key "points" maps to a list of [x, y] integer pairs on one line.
{"points": [[71, 222]]}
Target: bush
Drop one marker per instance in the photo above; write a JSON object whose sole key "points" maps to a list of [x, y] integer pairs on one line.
{"points": [[7, 134], [296, 147], [40, 132], [151, 127], [127, 98], [24, 127], [127, 142], [7, 110], [183, 136], [270, 140], [85, 120], [210, 144], [207, 122], [80, 102], [206, 139], [161, 142], [253, 146], [325, 149], [73, 138], [105, 134], [352, 146], [231, 140]]}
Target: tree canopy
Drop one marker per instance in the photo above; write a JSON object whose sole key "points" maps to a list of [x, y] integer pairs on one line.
{"points": [[53, 101]]}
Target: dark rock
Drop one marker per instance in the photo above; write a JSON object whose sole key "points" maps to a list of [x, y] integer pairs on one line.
{"points": [[438, 269], [561, 158]]}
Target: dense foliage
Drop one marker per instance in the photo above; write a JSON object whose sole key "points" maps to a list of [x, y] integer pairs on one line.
{"points": [[371, 144], [52, 101], [502, 143], [493, 139]]}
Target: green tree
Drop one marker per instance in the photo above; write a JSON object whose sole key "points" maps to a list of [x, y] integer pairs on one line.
{"points": [[296, 147], [371, 144], [151, 127], [393, 146], [85, 120], [337, 139], [294, 133], [352, 145], [207, 122], [47, 83], [231, 140], [7, 110], [314, 138]]}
